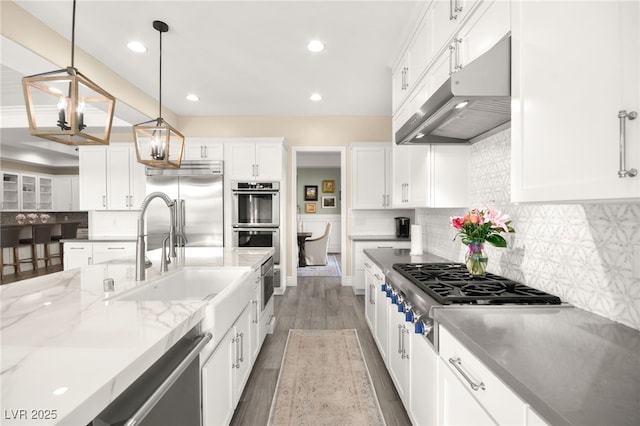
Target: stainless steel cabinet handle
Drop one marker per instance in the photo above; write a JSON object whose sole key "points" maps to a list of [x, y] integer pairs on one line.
{"points": [[104, 201], [452, 7], [623, 115], [255, 303], [236, 340], [206, 151], [457, 42], [241, 347], [76, 248], [405, 355], [451, 50], [115, 248], [371, 292], [458, 7], [201, 151], [457, 364], [399, 338], [148, 405]]}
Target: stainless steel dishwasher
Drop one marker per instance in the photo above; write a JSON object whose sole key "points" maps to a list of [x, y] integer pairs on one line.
{"points": [[168, 393]]}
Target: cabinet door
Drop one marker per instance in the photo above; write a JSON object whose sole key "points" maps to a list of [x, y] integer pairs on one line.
{"points": [[240, 160], [10, 191], [268, 161], [399, 83], [457, 406], [118, 164], [256, 335], [77, 255], [93, 178], [382, 327], [369, 297], [29, 192], [75, 193], [566, 98], [423, 393], [398, 364], [104, 252], [369, 177], [243, 353], [62, 195], [45, 193], [488, 25], [419, 50], [199, 149], [217, 383]]}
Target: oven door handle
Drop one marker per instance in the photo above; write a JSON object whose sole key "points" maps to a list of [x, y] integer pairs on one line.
{"points": [[272, 230], [253, 192]]}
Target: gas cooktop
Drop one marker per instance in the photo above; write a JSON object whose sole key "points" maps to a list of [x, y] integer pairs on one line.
{"points": [[450, 283]]}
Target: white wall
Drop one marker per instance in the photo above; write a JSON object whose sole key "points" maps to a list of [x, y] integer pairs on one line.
{"points": [[580, 252]]}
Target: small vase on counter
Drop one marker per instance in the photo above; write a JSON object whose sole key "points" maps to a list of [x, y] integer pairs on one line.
{"points": [[476, 259]]}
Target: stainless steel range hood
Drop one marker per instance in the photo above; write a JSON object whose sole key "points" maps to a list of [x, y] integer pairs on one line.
{"points": [[484, 85]]}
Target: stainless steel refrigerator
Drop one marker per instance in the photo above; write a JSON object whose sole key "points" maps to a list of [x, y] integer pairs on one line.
{"points": [[200, 214]]}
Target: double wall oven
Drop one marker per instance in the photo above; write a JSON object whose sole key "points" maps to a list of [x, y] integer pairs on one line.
{"points": [[256, 215]]}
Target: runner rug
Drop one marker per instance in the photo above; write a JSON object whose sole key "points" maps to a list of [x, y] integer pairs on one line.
{"points": [[324, 380]]}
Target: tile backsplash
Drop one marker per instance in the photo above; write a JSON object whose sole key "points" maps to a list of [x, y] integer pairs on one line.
{"points": [[582, 253]]}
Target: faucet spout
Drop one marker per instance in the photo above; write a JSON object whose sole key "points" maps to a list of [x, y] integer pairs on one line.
{"points": [[140, 243]]}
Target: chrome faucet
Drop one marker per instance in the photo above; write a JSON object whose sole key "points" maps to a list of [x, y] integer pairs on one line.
{"points": [[141, 248]]}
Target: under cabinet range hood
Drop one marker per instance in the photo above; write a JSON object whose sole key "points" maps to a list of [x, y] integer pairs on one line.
{"points": [[473, 101]]}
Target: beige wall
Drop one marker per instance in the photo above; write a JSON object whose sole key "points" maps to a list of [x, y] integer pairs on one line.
{"points": [[307, 131]]}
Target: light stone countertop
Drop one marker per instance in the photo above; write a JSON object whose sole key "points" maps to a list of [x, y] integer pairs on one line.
{"points": [[571, 366], [67, 349], [368, 237]]}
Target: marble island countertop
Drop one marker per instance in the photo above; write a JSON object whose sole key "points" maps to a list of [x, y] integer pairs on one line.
{"points": [[571, 366], [68, 351]]}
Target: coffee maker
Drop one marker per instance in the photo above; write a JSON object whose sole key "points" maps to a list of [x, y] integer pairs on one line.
{"points": [[403, 225]]}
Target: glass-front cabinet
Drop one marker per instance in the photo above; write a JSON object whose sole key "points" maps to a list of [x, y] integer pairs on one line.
{"points": [[29, 194], [10, 194]]}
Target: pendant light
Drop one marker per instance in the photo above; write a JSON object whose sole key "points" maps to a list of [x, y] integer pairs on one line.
{"points": [[66, 107], [158, 144]]}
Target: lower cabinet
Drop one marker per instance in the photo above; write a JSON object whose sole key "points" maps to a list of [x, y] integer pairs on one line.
{"points": [[470, 393], [77, 254], [226, 371], [423, 392], [381, 333], [358, 248], [399, 352]]}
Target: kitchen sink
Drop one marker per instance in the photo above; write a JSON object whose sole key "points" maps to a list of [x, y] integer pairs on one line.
{"points": [[186, 284]]}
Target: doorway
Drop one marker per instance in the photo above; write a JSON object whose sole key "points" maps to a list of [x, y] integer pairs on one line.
{"points": [[318, 186]]}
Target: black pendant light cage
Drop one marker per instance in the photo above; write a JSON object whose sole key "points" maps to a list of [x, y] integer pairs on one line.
{"points": [[67, 107], [158, 144]]}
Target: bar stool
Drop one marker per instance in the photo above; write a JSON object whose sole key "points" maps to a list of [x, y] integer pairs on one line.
{"points": [[10, 238], [40, 234], [68, 230]]}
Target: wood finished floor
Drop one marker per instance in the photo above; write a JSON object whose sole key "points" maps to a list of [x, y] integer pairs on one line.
{"points": [[317, 303]]}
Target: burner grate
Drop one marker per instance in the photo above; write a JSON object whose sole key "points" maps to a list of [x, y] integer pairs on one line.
{"points": [[450, 283]]}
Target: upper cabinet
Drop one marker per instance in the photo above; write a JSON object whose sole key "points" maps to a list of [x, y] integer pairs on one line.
{"points": [[251, 160], [10, 191], [37, 192], [65, 193], [371, 175], [202, 149], [110, 178], [575, 80]]}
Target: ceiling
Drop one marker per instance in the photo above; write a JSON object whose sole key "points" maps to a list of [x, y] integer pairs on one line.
{"points": [[239, 57]]}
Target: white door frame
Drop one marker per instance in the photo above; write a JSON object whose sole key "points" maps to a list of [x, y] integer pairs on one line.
{"points": [[293, 226]]}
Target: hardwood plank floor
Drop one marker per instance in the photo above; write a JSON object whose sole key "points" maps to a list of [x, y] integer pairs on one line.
{"points": [[317, 303]]}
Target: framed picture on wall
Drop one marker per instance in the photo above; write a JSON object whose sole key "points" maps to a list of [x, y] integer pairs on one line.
{"points": [[328, 186], [310, 207], [311, 192], [329, 202]]}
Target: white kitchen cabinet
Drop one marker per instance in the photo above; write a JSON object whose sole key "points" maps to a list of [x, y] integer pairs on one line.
{"points": [[66, 193], [257, 337], [10, 191], [370, 287], [410, 175], [36, 192], [382, 318], [400, 82], [111, 178], [423, 391], [106, 251], [371, 176], [202, 149], [399, 352], [469, 393], [566, 100], [93, 178], [359, 258], [225, 372], [252, 160], [444, 18], [77, 254], [126, 179], [217, 382]]}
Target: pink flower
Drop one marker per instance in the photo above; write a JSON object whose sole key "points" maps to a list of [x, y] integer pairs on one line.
{"points": [[457, 222], [497, 218]]}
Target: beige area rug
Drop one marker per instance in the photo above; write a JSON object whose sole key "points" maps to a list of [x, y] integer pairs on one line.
{"points": [[331, 269], [324, 380]]}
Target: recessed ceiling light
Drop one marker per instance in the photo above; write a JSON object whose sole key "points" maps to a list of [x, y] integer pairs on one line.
{"points": [[193, 98], [315, 46], [60, 391], [316, 97], [137, 47]]}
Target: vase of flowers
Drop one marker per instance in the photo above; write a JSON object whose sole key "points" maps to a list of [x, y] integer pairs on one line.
{"points": [[44, 218], [477, 227], [32, 217], [20, 218]]}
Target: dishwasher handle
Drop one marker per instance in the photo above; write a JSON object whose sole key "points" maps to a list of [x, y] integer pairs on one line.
{"points": [[148, 405]]}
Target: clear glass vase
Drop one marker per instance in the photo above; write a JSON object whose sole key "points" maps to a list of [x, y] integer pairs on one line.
{"points": [[476, 259]]}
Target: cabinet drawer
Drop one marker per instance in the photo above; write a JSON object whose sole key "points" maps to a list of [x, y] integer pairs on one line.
{"points": [[494, 396], [103, 252]]}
